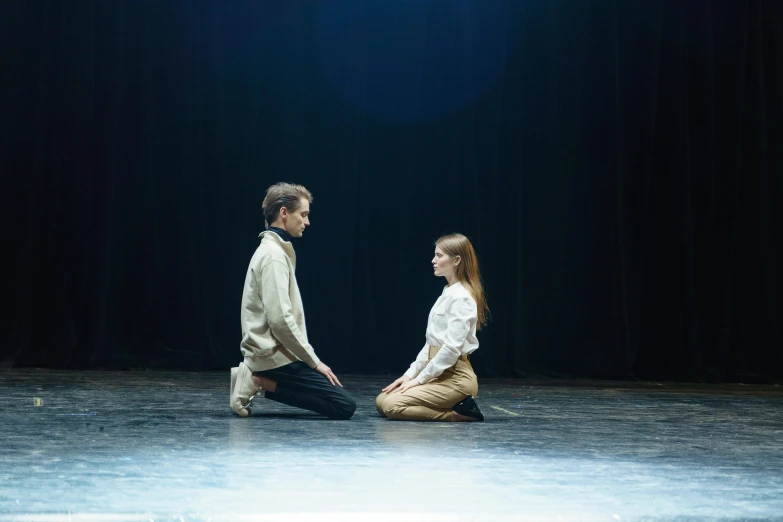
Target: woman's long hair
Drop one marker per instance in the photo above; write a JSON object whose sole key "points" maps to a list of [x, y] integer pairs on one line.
{"points": [[467, 271]]}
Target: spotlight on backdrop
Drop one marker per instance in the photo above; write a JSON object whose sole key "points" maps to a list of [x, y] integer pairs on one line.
{"points": [[413, 60]]}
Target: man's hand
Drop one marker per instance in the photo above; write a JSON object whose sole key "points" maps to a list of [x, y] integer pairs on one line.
{"points": [[398, 382], [325, 370]]}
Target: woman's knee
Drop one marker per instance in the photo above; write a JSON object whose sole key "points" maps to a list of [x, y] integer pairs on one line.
{"points": [[379, 402], [396, 411], [391, 405]]}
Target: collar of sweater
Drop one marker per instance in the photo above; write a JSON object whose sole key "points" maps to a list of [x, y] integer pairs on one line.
{"points": [[287, 247], [285, 236]]}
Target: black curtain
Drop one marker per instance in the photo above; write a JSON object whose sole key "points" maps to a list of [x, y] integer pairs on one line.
{"points": [[617, 165]]}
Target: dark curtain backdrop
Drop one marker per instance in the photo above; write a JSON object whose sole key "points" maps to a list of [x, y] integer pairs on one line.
{"points": [[617, 165]]}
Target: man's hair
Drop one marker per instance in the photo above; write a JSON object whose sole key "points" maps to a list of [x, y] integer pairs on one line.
{"points": [[281, 195]]}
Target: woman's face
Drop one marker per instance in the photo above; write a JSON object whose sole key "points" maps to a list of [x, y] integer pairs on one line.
{"points": [[443, 264]]}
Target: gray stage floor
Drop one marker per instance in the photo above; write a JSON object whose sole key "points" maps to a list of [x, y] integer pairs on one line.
{"points": [[165, 446]]}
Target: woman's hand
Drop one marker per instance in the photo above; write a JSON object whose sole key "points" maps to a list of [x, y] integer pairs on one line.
{"points": [[407, 385], [398, 382]]}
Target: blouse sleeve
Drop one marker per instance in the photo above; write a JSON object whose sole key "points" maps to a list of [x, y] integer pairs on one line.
{"points": [[419, 363], [461, 313]]}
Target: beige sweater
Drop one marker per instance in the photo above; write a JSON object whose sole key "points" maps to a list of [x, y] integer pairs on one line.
{"points": [[273, 323]]}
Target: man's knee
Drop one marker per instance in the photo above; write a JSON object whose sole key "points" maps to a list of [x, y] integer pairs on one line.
{"points": [[344, 407]]}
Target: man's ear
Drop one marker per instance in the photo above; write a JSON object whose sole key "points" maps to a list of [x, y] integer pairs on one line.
{"points": [[283, 212]]}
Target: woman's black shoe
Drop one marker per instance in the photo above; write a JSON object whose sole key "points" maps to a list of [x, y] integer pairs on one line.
{"points": [[469, 408]]}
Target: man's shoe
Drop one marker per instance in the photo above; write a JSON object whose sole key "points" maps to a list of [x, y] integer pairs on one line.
{"points": [[469, 408], [242, 389]]}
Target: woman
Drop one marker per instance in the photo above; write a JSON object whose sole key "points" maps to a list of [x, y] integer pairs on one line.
{"points": [[440, 384]]}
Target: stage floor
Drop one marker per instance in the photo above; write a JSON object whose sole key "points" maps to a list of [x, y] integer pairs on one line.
{"points": [[151, 445]]}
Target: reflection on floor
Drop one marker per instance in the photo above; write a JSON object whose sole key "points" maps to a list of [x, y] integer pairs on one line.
{"points": [[165, 446]]}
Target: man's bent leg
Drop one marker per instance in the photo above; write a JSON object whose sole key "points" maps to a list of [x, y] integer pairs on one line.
{"points": [[300, 386], [264, 383]]}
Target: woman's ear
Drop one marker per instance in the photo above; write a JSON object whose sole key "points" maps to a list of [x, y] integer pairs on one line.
{"points": [[457, 260]]}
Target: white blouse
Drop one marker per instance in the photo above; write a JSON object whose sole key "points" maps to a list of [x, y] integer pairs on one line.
{"points": [[452, 327]]}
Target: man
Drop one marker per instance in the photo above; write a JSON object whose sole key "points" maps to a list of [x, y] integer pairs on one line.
{"points": [[278, 358]]}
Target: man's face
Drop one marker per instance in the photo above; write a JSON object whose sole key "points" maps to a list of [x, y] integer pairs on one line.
{"points": [[295, 222]]}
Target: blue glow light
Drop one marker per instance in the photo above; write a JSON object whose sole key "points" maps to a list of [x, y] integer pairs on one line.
{"points": [[413, 59]]}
